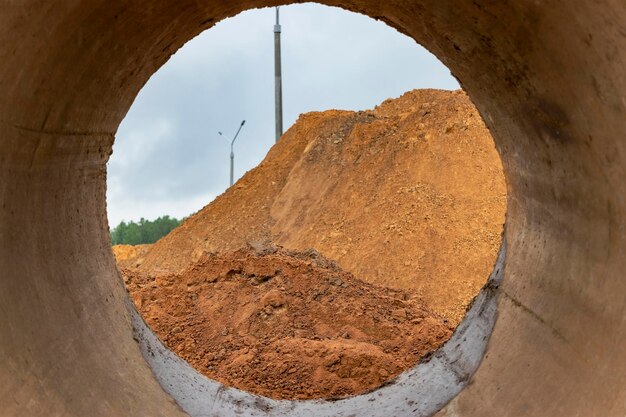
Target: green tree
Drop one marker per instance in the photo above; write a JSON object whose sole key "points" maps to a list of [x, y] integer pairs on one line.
{"points": [[144, 231]]}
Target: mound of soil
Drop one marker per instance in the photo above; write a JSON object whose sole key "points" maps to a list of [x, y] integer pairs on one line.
{"points": [[130, 256], [286, 324], [409, 195]]}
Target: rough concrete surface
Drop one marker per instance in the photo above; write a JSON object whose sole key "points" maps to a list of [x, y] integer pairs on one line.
{"points": [[548, 78]]}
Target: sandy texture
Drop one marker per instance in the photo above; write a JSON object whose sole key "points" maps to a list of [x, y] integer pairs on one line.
{"points": [[422, 228], [130, 256], [410, 196], [286, 324]]}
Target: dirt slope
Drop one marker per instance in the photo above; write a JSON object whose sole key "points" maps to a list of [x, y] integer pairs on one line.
{"points": [[300, 328], [130, 256], [409, 195]]}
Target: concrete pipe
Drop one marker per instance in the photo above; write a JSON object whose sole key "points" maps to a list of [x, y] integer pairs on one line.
{"points": [[549, 79]]}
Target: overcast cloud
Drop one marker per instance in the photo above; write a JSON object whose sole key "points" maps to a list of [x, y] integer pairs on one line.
{"points": [[168, 157]]}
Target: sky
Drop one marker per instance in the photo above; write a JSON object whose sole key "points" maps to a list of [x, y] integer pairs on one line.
{"points": [[168, 157]]}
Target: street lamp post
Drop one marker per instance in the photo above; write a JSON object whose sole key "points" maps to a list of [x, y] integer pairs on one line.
{"points": [[232, 152], [278, 78]]}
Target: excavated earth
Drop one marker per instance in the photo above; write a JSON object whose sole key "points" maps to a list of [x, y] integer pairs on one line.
{"points": [[129, 256], [286, 324], [408, 197]]}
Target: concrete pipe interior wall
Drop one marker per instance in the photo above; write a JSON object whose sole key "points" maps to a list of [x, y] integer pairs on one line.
{"points": [[549, 78]]}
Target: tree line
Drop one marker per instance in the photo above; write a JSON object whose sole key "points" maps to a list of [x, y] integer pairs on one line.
{"points": [[144, 231]]}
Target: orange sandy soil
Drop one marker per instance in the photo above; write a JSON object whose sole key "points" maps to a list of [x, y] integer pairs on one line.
{"points": [[408, 197], [285, 324], [130, 256]]}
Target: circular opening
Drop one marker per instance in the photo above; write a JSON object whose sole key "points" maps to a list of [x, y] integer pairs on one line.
{"points": [[351, 253], [548, 79]]}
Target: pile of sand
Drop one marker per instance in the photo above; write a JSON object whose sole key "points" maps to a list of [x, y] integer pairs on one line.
{"points": [[410, 195], [409, 198], [130, 256], [286, 324]]}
